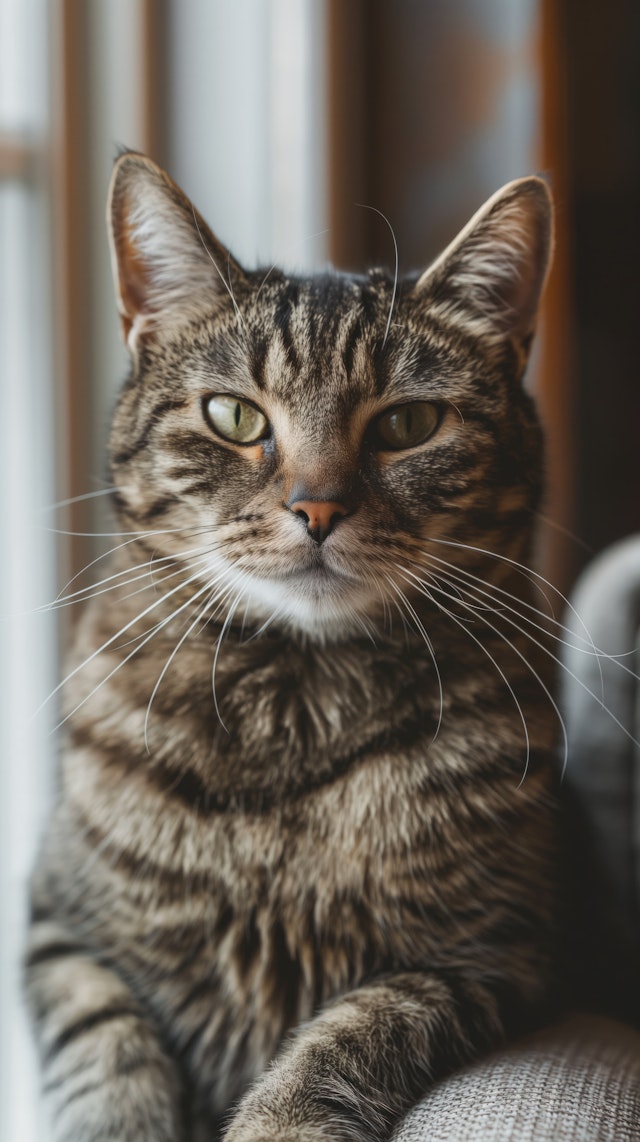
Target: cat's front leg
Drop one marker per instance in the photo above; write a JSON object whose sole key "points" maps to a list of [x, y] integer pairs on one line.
{"points": [[355, 1069], [105, 1075]]}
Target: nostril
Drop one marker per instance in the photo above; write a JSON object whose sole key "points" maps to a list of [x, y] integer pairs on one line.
{"points": [[320, 516], [299, 511]]}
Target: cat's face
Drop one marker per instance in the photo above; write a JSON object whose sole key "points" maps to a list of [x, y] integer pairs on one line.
{"points": [[303, 445]]}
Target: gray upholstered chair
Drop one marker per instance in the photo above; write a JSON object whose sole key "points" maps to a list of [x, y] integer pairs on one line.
{"points": [[579, 1079]]}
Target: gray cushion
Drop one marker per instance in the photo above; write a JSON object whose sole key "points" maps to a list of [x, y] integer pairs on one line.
{"points": [[603, 759], [602, 780], [578, 1080]]}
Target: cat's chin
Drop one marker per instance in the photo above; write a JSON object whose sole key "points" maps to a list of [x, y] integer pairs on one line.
{"points": [[318, 603]]}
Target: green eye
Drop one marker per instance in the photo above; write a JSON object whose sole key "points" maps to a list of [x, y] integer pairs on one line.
{"points": [[406, 425], [235, 419]]}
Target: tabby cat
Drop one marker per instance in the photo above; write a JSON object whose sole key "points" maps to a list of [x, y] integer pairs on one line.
{"points": [[302, 859]]}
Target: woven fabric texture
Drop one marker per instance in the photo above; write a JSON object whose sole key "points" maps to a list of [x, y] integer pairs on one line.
{"points": [[577, 1081]]}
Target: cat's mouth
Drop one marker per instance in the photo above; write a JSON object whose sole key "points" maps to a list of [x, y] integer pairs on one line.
{"points": [[312, 594], [317, 573]]}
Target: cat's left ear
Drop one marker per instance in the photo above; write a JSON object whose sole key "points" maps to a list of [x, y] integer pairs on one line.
{"points": [[493, 274], [167, 265]]}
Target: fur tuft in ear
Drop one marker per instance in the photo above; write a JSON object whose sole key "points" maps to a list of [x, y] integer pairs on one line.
{"points": [[493, 274], [166, 263]]}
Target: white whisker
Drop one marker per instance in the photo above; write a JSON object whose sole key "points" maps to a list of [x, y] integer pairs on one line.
{"points": [[98, 559], [135, 536], [160, 626], [500, 671], [211, 597], [264, 280], [225, 627], [548, 522], [227, 284], [78, 499], [523, 659], [534, 577], [307, 238], [421, 630], [462, 574], [397, 263], [588, 646], [454, 405], [117, 534], [114, 637], [579, 681], [119, 579]]}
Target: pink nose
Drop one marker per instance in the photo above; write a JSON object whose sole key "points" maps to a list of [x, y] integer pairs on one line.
{"points": [[321, 516]]}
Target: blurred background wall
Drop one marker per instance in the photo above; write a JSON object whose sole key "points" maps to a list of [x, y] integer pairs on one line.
{"points": [[284, 119]]}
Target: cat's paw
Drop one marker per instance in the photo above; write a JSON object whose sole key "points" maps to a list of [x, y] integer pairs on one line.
{"points": [[286, 1134], [254, 1130]]}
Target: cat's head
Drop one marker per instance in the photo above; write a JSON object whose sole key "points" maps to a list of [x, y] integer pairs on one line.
{"points": [[311, 447]]}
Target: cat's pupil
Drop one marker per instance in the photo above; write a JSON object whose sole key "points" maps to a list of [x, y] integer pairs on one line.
{"points": [[409, 421], [238, 414]]}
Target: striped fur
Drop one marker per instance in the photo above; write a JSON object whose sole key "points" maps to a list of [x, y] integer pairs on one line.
{"points": [[302, 861]]}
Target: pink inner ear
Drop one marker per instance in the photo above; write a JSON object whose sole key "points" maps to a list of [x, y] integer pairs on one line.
{"points": [[496, 268], [133, 276], [164, 257], [530, 264]]}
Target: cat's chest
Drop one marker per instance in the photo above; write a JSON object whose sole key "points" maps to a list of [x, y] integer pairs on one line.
{"points": [[236, 922], [274, 722], [236, 931], [231, 961]]}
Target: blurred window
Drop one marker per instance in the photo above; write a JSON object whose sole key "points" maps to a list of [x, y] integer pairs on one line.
{"points": [[27, 569]]}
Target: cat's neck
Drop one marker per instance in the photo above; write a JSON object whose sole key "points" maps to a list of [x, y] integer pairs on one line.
{"points": [[252, 712]]}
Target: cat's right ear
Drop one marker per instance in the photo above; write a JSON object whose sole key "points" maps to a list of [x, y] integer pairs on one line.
{"points": [[167, 265], [492, 275]]}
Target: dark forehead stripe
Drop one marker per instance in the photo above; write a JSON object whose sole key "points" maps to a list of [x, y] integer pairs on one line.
{"points": [[351, 312], [316, 326], [283, 317], [349, 319], [323, 312], [354, 333], [258, 351], [373, 306], [221, 352]]}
